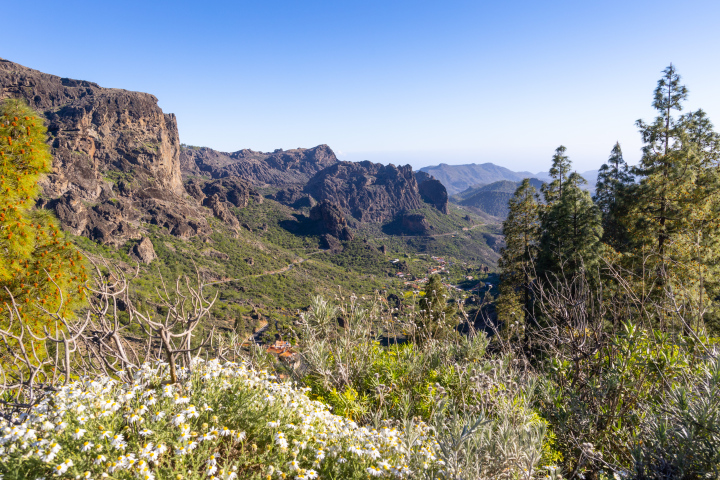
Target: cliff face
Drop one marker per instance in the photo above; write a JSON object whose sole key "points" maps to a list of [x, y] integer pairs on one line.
{"points": [[116, 156], [279, 168], [118, 163], [368, 191], [432, 191]]}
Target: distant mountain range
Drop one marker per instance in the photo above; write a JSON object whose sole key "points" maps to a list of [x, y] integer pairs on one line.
{"points": [[458, 178], [491, 199]]}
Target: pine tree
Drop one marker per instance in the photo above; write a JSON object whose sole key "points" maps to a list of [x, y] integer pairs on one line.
{"points": [[662, 170], [571, 233], [38, 267], [675, 209], [699, 241], [612, 192], [559, 174], [522, 232]]}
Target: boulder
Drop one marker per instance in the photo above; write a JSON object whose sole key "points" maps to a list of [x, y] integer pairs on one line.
{"points": [[329, 242], [414, 224], [144, 251]]}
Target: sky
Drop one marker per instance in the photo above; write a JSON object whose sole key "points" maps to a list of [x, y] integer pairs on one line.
{"points": [[388, 81]]}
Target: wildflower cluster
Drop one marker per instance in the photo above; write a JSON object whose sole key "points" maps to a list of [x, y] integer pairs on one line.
{"points": [[222, 421]]}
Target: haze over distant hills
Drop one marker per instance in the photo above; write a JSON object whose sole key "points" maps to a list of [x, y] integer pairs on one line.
{"points": [[491, 199], [458, 178]]}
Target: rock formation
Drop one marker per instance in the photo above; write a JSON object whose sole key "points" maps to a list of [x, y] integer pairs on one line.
{"points": [[370, 192], [118, 163], [233, 190], [144, 251], [116, 156], [432, 191], [414, 224], [294, 196], [279, 168], [221, 211], [331, 220]]}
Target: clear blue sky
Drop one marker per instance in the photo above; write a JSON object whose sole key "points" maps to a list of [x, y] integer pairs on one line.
{"points": [[390, 81]]}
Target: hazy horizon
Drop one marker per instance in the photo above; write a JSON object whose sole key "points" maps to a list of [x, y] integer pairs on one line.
{"points": [[403, 82]]}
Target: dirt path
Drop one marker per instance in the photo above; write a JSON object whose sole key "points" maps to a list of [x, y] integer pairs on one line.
{"points": [[297, 261], [456, 232]]}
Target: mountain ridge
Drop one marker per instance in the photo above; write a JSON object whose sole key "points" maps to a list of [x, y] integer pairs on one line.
{"points": [[458, 178]]}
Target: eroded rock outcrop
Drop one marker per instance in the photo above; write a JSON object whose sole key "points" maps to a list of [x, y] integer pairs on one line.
{"points": [[331, 220], [278, 168], [233, 190], [144, 251], [432, 191], [116, 156], [370, 192], [414, 224], [221, 211]]}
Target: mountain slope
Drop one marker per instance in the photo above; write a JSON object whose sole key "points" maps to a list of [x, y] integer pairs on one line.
{"points": [[493, 198], [457, 178]]}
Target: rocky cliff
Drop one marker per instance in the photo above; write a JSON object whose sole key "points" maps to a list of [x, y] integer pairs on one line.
{"points": [[370, 192], [432, 191], [279, 168], [118, 163], [116, 157]]}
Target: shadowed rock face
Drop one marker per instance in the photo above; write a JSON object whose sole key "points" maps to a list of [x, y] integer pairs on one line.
{"points": [[370, 192], [116, 156], [414, 224], [279, 168], [331, 220], [432, 191]]}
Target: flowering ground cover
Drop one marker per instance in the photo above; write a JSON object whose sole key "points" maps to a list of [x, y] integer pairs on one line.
{"points": [[222, 421]]}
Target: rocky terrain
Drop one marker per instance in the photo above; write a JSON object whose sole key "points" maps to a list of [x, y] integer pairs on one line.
{"points": [[118, 165], [432, 191], [116, 157], [279, 168], [371, 192]]}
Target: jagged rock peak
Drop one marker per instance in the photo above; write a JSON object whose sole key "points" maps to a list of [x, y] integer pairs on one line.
{"points": [[432, 191], [278, 168], [370, 192]]}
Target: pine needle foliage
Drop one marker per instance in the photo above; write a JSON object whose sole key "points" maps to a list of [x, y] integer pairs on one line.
{"points": [[571, 232], [613, 186], [559, 173], [674, 220], [38, 267], [522, 234]]}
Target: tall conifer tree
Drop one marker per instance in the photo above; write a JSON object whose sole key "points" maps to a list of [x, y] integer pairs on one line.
{"points": [[611, 196], [675, 210], [522, 233], [559, 173], [571, 232]]}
